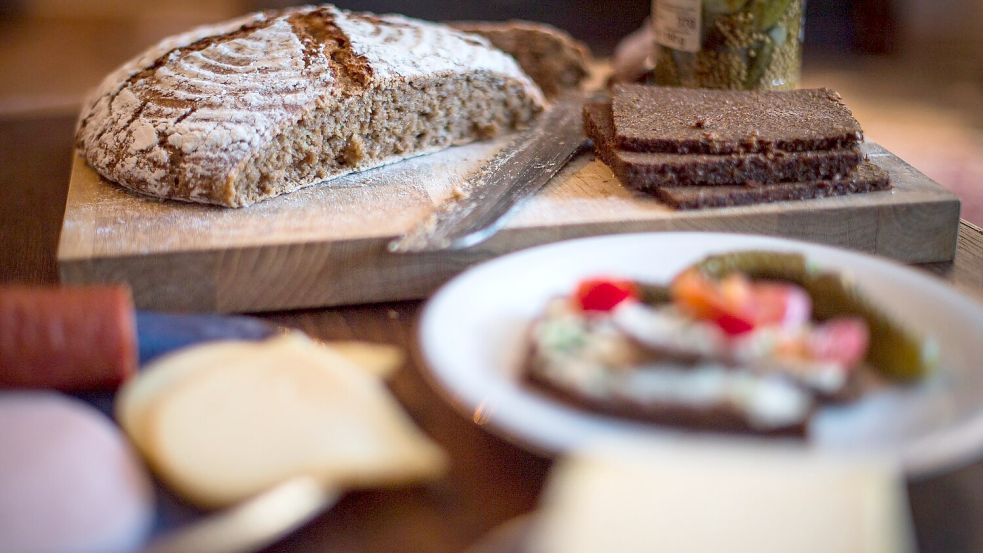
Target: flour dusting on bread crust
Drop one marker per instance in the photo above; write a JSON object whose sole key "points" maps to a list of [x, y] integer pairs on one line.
{"points": [[274, 101]]}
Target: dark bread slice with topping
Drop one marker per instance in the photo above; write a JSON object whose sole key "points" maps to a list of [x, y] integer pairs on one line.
{"points": [[588, 362], [716, 418], [642, 170], [688, 121]]}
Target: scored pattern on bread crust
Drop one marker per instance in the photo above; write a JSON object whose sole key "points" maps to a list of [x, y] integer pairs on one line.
{"points": [[184, 118]]}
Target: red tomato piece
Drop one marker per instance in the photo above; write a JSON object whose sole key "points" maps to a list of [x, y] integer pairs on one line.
{"points": [[697, 295], [733, 325], [843, 340], [603, 294]]}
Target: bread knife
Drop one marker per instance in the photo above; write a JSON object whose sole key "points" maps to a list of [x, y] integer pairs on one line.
{"points": [[515, 173], [162, 333]]}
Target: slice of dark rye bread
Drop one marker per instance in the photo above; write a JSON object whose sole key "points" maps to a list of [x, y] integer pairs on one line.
{"points": [[643, 170], [866, 178], [688, 121]]}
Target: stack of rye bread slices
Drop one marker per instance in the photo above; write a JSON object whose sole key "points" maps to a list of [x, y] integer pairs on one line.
{"points": [[696, 148]]}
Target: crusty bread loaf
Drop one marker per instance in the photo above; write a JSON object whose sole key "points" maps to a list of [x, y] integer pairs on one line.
{"points": [[553, 58], [275, 101]]}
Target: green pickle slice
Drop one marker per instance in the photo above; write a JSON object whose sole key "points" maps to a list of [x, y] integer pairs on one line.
{"points": [[653, 294], [894, 351]]}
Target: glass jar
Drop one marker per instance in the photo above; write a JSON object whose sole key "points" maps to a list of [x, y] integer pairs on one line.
{"points": [[736, 44]]}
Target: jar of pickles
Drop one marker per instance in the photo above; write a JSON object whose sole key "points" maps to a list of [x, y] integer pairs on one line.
{"points": [[735, 44]]}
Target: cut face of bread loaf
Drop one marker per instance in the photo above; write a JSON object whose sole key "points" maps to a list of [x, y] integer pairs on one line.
{"points": [[275, 101], [553, 58]]}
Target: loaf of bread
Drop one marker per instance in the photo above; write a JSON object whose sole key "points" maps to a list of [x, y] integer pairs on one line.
{"points": [[275, 101], [554, 59]]}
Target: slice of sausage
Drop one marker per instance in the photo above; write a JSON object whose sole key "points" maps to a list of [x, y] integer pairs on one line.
{"points": [[70, 339]]}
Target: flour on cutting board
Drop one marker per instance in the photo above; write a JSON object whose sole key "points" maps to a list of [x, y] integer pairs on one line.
{"points": [[380, 202]]}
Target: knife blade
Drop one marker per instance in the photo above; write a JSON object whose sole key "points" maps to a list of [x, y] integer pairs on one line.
{"points": [[481, 204], [253, 524]]}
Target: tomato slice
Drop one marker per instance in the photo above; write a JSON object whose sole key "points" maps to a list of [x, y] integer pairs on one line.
{"points": [[604, 294], [733, 325], [697, 295], [739, 305]]}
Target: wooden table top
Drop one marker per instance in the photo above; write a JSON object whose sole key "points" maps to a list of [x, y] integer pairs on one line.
{"points": [[490, 481]]}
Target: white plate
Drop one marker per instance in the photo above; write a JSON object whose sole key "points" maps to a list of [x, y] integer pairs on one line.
{"points": [[472, 336]]}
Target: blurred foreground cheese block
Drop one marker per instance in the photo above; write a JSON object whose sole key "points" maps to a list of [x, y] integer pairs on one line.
{"points": [[222, 422], [713, 498], [378, 359], [68, 480]]}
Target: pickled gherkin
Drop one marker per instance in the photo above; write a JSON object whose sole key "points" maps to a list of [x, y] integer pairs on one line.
{"points": [[653, 294], [894, 351], [737, 44]]}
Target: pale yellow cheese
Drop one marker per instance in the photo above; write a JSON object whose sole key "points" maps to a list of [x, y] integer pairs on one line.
{"points": [[708, 499], [224, 421], [137, 396], [381, 360]]}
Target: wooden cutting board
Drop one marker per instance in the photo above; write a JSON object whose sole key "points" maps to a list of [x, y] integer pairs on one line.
{"points": [[325, 245]]}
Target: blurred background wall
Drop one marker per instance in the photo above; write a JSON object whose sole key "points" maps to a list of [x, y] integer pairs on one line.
{"points": [[911, 69]]}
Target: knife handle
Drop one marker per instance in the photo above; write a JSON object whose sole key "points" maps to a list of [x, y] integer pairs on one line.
{"points": [[161, 333]]}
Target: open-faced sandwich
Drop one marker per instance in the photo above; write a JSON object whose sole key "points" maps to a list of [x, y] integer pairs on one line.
{"points": [[745, 341]]}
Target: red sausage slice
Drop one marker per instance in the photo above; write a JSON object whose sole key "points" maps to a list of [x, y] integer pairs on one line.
{"points": [[70, 339]]}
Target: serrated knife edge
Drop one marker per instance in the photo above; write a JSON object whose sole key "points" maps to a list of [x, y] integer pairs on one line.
{"points": [[486, 198]]}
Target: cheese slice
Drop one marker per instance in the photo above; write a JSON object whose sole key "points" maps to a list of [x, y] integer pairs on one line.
{"points": [[136, 398], [226, 421], [382, 360], [712, 498]]}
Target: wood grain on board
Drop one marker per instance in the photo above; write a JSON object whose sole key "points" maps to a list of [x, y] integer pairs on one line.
{"points": [[325, 245]]}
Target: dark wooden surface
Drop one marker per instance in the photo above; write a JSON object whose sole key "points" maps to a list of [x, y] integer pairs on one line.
{"points": [[490, 480]]}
